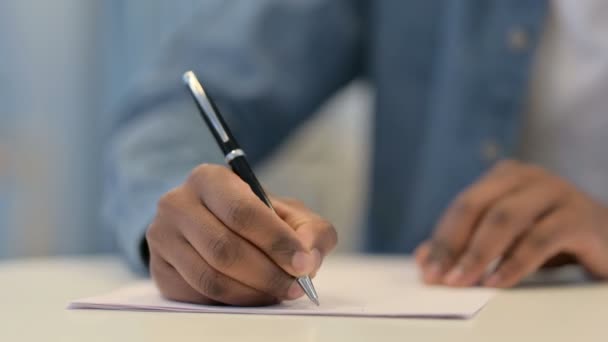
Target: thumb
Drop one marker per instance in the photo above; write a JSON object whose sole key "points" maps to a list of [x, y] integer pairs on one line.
{"points": [[317, 247], [316, 234]]}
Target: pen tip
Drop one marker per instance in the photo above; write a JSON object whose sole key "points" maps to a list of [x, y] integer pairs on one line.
{"points": [[309, 289]]}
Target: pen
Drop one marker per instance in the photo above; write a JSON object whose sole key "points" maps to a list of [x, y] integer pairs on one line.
{"points": [[234, 155]]}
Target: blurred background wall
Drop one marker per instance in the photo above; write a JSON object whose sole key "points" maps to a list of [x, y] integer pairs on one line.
{"points": [[64, 63]]}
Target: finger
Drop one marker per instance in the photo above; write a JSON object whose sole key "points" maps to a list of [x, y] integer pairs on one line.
{"points": [[502, 224], [420, 256], [172, 286], [588, 240], [225, 251], [211, 283], [545, 240], [234, 256], [320, 240], [317, 235], [422, 252], [232, 202], [313, 231], [457, 224]]}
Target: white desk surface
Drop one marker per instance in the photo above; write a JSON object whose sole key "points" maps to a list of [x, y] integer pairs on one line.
{"points": [[34, 295]]}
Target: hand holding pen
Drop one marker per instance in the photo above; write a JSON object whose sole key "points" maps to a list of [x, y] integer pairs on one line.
{"points": [[214, 240]]}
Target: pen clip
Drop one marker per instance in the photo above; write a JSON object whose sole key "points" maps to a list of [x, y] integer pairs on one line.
{"points": [[201, 97]]}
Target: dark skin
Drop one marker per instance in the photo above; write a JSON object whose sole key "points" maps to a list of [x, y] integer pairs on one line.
{"points": [[523, 216], [213, 241]]}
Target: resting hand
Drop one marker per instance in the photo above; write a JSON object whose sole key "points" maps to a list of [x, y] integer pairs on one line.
{"points": [[522, 216]]}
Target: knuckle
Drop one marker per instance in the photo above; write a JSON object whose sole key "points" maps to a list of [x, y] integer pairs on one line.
{"points": [[166, 223], [465, 206], [500, 216], [226, 252], [203, 172], [168, 200], [172, 205], [294, 202], [241, 213], [210, 284]]}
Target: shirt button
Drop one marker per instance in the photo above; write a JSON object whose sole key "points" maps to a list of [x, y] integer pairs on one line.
{"points": [[517, 39], [490, 151]]}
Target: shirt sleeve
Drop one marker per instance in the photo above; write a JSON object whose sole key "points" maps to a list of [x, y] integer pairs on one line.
{"points": [[267, 63]]}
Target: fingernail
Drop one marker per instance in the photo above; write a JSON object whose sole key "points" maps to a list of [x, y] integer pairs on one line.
{"points": [[432, 273], [493, 281], [303, 263], [295, 291], [454, 277]]}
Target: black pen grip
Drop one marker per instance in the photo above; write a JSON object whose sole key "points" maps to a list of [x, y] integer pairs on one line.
{"points": [[241, 167]]}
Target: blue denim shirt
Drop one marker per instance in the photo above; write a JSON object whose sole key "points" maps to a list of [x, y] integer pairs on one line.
{"points": [[450, 88]]}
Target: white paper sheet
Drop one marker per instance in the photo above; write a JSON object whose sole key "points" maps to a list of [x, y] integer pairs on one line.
{"points": [[360, 286]]}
